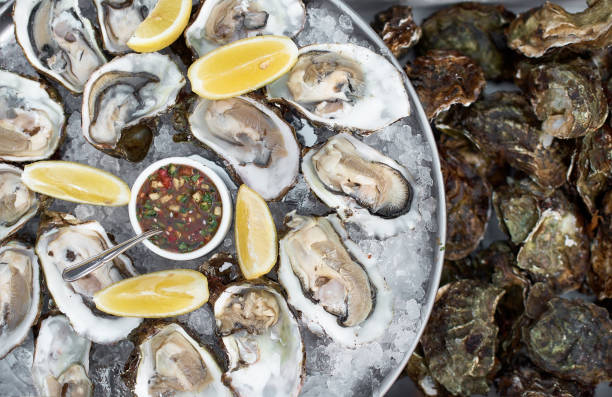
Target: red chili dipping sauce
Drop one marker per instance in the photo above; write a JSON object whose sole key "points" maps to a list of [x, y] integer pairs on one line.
{"points": [[183, 202]]}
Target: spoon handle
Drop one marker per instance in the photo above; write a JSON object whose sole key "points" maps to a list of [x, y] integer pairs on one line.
{"points": [[83, 268]]}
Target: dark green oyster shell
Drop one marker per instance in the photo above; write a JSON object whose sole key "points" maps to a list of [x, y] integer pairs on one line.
{"points": [[475, 30], [594, 167]]}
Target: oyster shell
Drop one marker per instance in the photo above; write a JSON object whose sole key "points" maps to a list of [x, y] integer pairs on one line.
{"points": [[119, 19], [541, 29], [63, 241], [337, 290], [32, 120], [61, 360], [593, 167], [262, 339], [124, 93], [600, 275], [57, 40], [257, 145], [220, 22], [397, 28], [343, 86], [168, 361], [18, 204], [361, 184], [20, 302]]}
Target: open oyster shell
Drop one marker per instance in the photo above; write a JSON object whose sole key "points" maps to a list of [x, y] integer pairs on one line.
{"points": [[256, 144], [220, 22], [122, 95], [343, 86], [57, 40], [63, 241], [168, 361], [32, 119], [20, 302], [337, 290], [262, 339], [61, 360], [18, 204]]}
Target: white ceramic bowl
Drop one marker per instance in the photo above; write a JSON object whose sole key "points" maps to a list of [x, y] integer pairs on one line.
{"points": [[226, 203]]}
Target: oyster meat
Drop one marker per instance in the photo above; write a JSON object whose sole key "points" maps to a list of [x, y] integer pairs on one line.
{"points": [[19, 294], [18, 204], [262, 339], [361, 184], [167, 361], [122, 95], [336, 295], [63, 241], [257, 145], [61, 360], [31, 119], [58, 40], [220, 22], [119, 19], [343, 86]]}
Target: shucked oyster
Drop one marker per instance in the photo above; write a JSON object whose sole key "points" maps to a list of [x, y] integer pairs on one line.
{"points": [[119, 19], [63, 241], [167, 361], [19, 294], [550, 26], [31, 119], [220, 22], [344, 86], [361, 184], [262, 340], [121, 95], [61, 360], [58, 40], [18, 204], [258, 146], [331, 283]]}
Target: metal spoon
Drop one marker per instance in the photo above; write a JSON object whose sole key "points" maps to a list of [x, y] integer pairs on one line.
{"points": [[83, 268]]}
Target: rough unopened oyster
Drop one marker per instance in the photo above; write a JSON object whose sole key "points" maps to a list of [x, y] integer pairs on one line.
{"points": [[61, 360], [568, 97], [167, 361], [397, 28], [63, 241], [262, 339], [361, 184], [20, 302], [337, 290], [220, 22], [600, 275], [343, 86], [119, 19], [122, 95], [257, 145], [572, 339], [550, 26], [594, 167], [57, 40], [18, 204], [442, 78], [460, 339], [475, 30], [31, 119]]}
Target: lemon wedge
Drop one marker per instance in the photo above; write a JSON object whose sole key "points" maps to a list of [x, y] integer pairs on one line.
{"points": [[256, 242], [76, 182], [242, 66], [166, 293], [162, 27]]}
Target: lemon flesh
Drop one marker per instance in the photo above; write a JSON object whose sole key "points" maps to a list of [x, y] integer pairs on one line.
{"points": [[162, 27]]}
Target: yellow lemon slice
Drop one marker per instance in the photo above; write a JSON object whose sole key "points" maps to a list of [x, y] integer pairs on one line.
{"points": [[163, 25], [256, 242], [76, 182], [166, 293], [242, 66]]}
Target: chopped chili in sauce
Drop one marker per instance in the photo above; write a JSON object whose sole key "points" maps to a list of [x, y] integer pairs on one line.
{"points": [[184, 203]]}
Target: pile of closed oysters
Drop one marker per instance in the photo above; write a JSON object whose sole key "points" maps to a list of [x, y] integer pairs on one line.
{"points": [[537, 158]]}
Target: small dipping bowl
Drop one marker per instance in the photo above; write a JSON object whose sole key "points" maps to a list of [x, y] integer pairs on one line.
{"points": [[226, 204]]}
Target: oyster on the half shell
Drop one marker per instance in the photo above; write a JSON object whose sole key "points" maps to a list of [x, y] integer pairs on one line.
{"points": [[18, 204]]}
